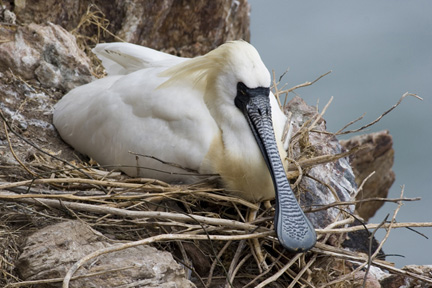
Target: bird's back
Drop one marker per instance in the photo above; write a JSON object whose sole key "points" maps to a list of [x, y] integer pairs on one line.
{"points": [[127, 112], [124, 58], [130, 111]]}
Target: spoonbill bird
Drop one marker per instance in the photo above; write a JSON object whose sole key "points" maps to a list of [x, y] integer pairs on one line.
{"points": [[213, 114]]}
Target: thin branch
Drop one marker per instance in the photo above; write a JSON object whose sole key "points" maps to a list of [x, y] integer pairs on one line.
{"points": [[99, 209], [346, 203], [275, 276], [217, 261], [41, 150], [55, 280], [304, 269], [305, 84], [370, 256], [340, 132], [13, 152], [374, 226]]}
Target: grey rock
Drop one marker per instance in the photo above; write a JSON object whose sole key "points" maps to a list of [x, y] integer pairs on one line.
{"points": [[376, 155], [50, 252], [186, 28], [314, 189], [46, 52]]}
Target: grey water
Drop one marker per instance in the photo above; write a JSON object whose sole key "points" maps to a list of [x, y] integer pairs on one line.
{"points": [[377, 51]]}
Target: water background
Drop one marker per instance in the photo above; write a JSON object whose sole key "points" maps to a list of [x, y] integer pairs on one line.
{"points": [[377, 50]]}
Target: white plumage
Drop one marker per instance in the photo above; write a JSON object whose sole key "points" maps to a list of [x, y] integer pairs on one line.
{"points": [[178, 110]]}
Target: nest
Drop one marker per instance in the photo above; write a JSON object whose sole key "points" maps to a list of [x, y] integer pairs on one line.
{"points": [[46, 189]]}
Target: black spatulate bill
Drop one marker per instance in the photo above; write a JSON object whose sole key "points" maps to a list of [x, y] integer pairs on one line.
{"points": [[293, 229]]}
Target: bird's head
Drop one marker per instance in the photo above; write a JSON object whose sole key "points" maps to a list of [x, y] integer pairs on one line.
{"points": [[238, 62], [221, 70]]}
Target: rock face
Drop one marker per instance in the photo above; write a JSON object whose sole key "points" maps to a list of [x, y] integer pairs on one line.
{"points": [[47, 53], [38, 64], [315, 185], [377, 155], [186, 28], [397, 281], [51, 251]]}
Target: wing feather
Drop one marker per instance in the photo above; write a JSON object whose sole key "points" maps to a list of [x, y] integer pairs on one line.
{"points": [[124, 58]]}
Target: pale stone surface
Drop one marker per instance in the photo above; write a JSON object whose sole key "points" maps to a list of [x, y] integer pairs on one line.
{"points": [[396, 281], [50, 252], [47, 53], [38, 64]]}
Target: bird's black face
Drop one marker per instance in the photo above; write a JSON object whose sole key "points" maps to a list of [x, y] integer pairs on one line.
{"points": [[255, 104], [293, 229]]}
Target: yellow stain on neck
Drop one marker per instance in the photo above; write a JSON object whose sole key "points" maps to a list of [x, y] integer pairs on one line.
{"points": [[246, 178]]}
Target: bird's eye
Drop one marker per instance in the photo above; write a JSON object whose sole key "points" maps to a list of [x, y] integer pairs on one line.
{"points": [[242, 88]]}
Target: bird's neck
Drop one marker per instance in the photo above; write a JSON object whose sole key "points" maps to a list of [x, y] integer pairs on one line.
{"points": [[234, 154]]}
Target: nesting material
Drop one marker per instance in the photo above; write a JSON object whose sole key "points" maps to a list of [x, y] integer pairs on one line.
{"points": [[181, 219]]}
